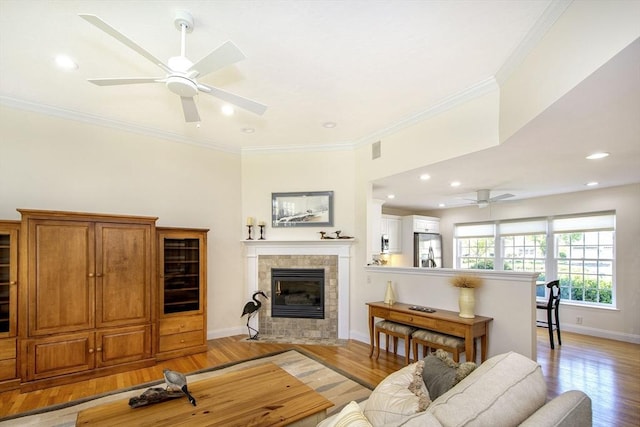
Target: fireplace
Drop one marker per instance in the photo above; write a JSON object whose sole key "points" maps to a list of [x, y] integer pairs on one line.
{"points": [[297, 293]]}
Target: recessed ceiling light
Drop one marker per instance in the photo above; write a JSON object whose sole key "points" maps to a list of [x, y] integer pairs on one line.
{"points": [[455, 184], [599, 155], [391, 196], [591, 184], [425, 177], [248, 130], [66, 63], [227, 110], [329, 125], [441, 205]]}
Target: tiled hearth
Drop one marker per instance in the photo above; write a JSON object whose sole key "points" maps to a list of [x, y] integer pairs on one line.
{"points": [[333, 256]]}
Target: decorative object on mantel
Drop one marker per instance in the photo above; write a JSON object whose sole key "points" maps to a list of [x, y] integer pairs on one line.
{"points": [[466, 299], [323, 235], [249, 226], [261, 224], [250, 309], [338, 236], [389, 296]]}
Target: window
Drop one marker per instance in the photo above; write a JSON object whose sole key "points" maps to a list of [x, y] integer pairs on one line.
{"points": [[577, 250], [475, 246], [584, 256]]}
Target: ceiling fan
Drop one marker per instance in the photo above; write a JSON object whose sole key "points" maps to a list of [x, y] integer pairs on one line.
{"points": [[180, 72], [484, 198]]}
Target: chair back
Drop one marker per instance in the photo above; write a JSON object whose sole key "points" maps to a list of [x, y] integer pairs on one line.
{"points": [[554, 294]]}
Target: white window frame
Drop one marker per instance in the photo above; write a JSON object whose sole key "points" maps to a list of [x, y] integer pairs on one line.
{"points": [[549, 226]]}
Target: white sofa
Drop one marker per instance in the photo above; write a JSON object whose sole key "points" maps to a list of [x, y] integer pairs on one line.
{"points": [[506, 390]]}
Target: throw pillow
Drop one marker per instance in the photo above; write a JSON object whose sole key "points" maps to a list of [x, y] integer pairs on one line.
{"points": [[391, 401], [350, 416], [417, 387], [441, 373]]}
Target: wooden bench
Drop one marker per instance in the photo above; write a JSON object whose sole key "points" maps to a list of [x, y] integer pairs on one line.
{"points": [[395, 330], [430, 339]]}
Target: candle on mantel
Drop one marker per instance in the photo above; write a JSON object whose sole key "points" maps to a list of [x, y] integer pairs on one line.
{"points": [[249, 220], [262, 223]]}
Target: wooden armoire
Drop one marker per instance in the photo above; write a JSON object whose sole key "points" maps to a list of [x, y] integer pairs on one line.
{"points": [[87, 290]]}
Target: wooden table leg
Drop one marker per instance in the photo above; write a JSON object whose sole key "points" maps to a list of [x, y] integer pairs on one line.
{"points": [[469, 348], [370, 335], [483, 346]]}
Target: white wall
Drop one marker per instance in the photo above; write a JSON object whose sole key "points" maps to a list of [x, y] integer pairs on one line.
{"points": [[507, 297], [587, 35], [57, 164]]}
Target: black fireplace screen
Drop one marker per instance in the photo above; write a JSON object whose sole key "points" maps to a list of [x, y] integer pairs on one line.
{"points": [[297, 292]]}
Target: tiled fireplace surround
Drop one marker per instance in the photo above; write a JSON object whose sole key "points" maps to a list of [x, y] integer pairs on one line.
{"points": [[333, 256]]}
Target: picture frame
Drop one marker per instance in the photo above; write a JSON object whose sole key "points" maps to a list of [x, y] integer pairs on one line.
{"points": [[302, 209]]}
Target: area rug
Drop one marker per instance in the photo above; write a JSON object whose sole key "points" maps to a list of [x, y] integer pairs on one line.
{"points": [[337, 386]]}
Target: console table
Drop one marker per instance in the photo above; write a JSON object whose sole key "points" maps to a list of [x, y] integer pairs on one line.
{"points": [[444, 321]]}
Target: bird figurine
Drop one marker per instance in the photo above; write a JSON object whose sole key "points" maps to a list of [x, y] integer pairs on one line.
{"points": [[250, 310], [177, 381]]}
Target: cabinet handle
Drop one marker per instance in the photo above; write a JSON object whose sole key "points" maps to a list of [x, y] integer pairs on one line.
{"points": [[99, 349], [90, 274], [181, 341], [13, 283], [90, 351], [99, 275]]}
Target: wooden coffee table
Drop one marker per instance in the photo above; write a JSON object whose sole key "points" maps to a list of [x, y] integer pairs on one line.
{"points": [[263, 395]]}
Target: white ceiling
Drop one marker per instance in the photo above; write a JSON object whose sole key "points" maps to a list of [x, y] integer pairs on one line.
{"points": [[365, 65]]}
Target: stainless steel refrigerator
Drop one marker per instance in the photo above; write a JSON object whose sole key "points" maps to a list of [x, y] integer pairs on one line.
{"points": [[427, 250]]}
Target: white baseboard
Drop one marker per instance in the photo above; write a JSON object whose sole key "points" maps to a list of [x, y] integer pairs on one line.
{"points": [[600, 333], [229, 332]]}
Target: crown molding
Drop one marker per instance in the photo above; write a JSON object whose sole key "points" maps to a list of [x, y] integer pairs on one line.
{"points": [[49, 110], [532, 38]]}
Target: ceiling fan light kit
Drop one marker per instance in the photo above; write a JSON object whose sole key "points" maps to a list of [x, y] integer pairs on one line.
{"points": [[181, 72]]}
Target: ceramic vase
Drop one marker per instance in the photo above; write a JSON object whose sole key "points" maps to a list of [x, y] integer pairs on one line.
{"points": [[467, 303], [389, 296]]}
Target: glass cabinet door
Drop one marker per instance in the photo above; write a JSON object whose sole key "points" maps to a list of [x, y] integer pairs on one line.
{"points": [[8, 279], [181, 275]]}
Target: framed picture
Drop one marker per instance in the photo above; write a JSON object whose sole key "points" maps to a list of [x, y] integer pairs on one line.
{"points": [[309, 209]]}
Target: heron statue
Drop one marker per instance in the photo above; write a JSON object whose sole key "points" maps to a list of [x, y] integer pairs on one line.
{"points": [[250, 310]]}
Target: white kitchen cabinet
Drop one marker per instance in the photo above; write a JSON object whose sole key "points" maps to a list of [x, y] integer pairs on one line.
{"points": [[422, 224], [392, 229]]}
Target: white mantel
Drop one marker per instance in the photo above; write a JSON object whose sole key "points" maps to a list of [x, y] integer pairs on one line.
{"points": [[336, 247]]}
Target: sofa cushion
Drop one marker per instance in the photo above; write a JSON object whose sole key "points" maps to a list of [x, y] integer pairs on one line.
{"points": [[503, 391], [392, 401], [350, 416], [441, 373]]}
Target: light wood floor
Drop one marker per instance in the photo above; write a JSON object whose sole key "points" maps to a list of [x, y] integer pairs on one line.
{"points": [[608, 371]]}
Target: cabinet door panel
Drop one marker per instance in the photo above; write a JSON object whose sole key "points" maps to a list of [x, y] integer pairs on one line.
{"points": [[49, 357], [123, 345], [8, 278], [61, 259], [123, 288]]}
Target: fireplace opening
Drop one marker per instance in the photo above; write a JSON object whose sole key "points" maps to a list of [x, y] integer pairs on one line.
{"points": [[297, 293]]}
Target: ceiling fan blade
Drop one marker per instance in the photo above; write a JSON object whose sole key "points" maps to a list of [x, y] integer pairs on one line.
{"points": [[238, 101], [94, 20], [501, 197], [190, 110], [125, 81], [225, 54]]}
